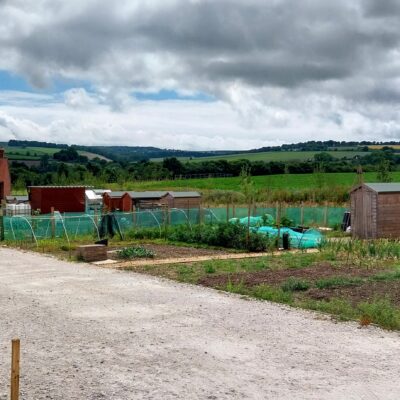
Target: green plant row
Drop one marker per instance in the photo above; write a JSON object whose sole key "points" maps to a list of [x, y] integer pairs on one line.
{"points": [[227, 235], [135, 252]]}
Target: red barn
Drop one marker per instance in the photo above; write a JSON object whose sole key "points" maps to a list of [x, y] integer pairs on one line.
{"points": [[5, 180], [62, 198], [117, 201]]}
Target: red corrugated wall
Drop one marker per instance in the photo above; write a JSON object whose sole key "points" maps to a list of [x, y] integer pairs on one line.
{"points": [[123, 203], [5, 180], [63, 199]]}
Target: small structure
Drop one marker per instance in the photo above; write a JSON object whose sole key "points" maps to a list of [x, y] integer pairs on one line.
{"points": [[61, 198], [150, 200], [186, 200], [14, 199], [94, 199], [375, 210], [117, 201], [5, 180], [92, 252]]}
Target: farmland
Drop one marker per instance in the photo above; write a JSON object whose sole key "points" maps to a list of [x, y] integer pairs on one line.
{"points": [[349, 280], [271, 156], [35, 153], [283, 181]]}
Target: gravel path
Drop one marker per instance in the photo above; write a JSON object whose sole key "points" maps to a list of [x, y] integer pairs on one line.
{"points": [[93, 333]]}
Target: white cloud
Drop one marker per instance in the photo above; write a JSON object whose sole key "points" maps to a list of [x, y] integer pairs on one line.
{"points": [[281, 71]]}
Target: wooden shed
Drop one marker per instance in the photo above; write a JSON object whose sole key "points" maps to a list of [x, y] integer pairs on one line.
{"points": [[375, 210], [62, 198], [150, 200], [186, 200], [117, 201]]}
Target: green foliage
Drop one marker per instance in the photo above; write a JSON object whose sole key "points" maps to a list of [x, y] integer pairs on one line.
{"points": [[337, 281], [381, 312], [265, 292], [135, 252], [294, 284], [383, 173], [209, 268], [285, 221]]}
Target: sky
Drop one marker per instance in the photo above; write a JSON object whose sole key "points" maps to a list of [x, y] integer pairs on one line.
{"points": [[199, 74]]}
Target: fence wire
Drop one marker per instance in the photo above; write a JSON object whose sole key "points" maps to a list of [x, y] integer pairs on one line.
{"points": [[74, 225]]}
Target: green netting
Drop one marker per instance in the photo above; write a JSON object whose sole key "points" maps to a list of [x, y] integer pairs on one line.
{"points": [[74, 224], [310, 216]]}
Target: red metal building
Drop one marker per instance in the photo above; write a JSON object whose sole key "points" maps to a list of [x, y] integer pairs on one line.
{"points": [[62, 198], [5, 180], [117, 201]]}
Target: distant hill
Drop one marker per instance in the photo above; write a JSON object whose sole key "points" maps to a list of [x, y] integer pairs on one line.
{"points": [[19, 149]]}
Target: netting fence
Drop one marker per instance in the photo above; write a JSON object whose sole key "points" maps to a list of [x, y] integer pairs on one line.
{"points": [[72, 226]]}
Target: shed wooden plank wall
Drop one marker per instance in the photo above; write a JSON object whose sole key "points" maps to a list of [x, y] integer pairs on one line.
{"points": [[364, 213], [187, 202], [388, 215]]}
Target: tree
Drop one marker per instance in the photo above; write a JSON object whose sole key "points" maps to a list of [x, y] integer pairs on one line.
{"points": [[383, 173], [173, 165], [249, 193]]}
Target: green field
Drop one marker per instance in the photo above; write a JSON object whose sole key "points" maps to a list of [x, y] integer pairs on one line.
{"points": [[285, 181], [34, 153], [272, 156]]}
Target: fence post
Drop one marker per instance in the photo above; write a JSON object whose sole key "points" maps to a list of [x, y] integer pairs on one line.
{"points": [[1, 224], [326, 216], [53, 223], [302, 214], [15, 353]]}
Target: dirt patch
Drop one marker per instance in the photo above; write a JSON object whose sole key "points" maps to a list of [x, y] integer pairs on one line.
{"points": [[368, 291], [277, 277], [165, 251]]}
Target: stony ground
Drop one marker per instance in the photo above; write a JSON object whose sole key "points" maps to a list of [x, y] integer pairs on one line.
{"points": [[93, 333]]}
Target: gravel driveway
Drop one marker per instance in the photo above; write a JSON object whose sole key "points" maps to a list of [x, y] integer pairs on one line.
{"points": [[92, 333]]}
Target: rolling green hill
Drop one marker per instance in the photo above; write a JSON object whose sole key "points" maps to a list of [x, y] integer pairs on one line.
{"points": [[271, 156], [285, 181], [35, 153]]}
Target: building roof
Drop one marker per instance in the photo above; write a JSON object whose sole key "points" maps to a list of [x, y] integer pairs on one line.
{"points": [[21, 199], [148, 194], [185, 194], [61, 187], [383, 187], [116, 195]]}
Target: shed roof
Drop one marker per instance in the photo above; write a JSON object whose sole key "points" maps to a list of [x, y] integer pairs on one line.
{"points": [[384, 187], [148, 194], [60, 187], [116, 195], [17, 198], [185, 194]]}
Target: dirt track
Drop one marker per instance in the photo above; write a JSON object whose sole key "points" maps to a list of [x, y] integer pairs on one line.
{"points": [[93, 333]]}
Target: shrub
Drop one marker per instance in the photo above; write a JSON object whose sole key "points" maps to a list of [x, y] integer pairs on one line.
{"points": [[135, 252], [265, 292], [337, 281], [381, 312], [294, 284]]}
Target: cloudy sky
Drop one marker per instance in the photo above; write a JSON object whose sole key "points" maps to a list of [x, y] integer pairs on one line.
{"points": [[199, 74]]}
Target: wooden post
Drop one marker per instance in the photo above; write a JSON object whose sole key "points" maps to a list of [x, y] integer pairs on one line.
{"points": [[15, 352], [326, 216], [302, 214], [53, 224], [234, 210]]}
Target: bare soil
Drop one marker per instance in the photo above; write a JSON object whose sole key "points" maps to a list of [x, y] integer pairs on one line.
{"points": [[277, 277], [166, 251], [368, 291]]}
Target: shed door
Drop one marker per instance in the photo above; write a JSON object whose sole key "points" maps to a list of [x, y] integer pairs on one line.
{"points": [[369, 211]]}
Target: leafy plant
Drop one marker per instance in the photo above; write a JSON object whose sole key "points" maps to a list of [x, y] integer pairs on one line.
{"points": [[135, 252], [294, 284]]}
